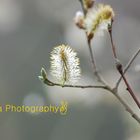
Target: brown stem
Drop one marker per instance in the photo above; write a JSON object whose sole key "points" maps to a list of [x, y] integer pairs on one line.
{"points": [[99, 77], [129, 87], [96, 73], [113, 91], [92, 57], [111, 38], [128, 66], [120, 69], [127, 107], [50, 83]]}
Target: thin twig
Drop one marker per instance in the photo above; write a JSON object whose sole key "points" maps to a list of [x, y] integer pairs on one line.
{"points": [[96, 73], [128, 66], [92, 57], [90, 49], [112, 43], [129, 89], [128, 109], [106, 87], [120, 69], [74, 86]]}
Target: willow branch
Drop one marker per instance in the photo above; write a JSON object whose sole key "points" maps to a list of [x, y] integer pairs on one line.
{"points": [[112, 43], [120, 69], [127, 108], [92, 59], [128, 66], [89, 46], [96, 73], [44, 78], [50, 83], [46, 81], [129, 89], [114, 92]]}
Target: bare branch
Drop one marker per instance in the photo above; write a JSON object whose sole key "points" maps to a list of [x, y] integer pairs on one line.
{"points": [[128, 66], [96, 73], [129, 89], [50, 83], [92, 59], [114, 92], [112, 43], [105, 85], [119, 67], [98, 76], [127, 108], [46, 81]]}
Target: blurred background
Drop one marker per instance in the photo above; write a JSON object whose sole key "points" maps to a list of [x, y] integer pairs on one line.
{"points": [[29, 29]]}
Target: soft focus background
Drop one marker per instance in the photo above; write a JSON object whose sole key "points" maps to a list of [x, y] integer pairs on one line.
{"points": [[29, 29]]}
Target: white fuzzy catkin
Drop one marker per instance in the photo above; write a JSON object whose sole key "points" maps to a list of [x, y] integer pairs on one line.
{"points": [[65, 64], [98, 18]]}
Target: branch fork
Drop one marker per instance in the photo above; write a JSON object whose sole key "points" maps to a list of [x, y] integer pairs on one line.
{"points": [[104, 85]]}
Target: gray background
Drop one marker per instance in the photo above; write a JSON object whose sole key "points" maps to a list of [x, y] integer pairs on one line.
{"points": [[29, 29]]}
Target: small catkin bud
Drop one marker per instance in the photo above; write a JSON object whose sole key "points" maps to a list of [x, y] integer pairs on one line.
{"points": [[79, 19], [119, 66], [98, 18]]}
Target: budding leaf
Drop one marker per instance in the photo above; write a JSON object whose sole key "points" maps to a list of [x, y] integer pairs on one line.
{"points": [[43, 73]]}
